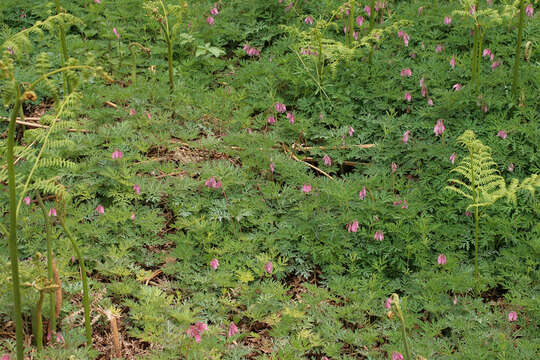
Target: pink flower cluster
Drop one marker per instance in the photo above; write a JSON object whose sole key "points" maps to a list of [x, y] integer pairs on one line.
{"points": [[404, 36], [213, 12], [308, 51], [195, 331], [352, 226], [213, 183]]}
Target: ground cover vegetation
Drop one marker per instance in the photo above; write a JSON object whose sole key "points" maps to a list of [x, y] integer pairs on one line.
{"points": [[269, 179]]}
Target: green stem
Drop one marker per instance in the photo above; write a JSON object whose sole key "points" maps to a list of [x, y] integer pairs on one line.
{"points": [[517, 58], [63, 46], [52, 316], [84, 279], [39, 323], [12, 239], [474, 57], [479, 58], [351, 24], [404, 334], [475, 201], [168, 40]]}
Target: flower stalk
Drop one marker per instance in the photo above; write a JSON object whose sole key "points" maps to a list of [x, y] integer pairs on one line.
{"points": [[517, 58]]}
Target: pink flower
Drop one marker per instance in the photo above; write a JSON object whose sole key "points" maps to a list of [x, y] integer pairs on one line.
{"points": [[502, 134], [406, 135], [453, 158], [421, 82], [280, 108], [52, 212], [512, 316], [289, 7], [423, 91], [406, 72], [269, 267], [367, 9], [100, 209], [430, 102], [137, 189], [407, 96], [406, 39], [59, 338], [271, 120], [97, 1], [455, 300], [438, 49], [132, 217], [379, 235], [495, 65], [148, 115], [388, 303], [484, 108], [400, 34], [362, 194], [351, 131], [441, 260], [511, 167], [5, 357], [472, 10], [291, 117], [308, 20], [327, 160], [352, 226], [439, 127], [233, 330], [359, 20], [116, 33], [306, 188], [117, 154], [196, 330], [447, 20], [210, 21], [394, 167], [213, 183], [214, 11], [486, 52], [453, 62], [355, 35], [214, 263], [397, 356], [468, 213], [529, 10], [420, 9], [405, 205], [272, 167], [132, 112], [27, 200], [456, 87]]}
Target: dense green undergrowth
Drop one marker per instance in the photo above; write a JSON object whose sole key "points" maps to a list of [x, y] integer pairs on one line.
{"points": [[148, 254]]}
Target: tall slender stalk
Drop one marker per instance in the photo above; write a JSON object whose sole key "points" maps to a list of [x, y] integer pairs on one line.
{"points": [[475, 201], [351, 23], [397, 304], [84, 279], [517, 58], [168, 39], [12, 239], [63, 46]]}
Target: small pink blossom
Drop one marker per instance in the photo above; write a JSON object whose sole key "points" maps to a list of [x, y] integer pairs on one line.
{"points": [[394, 167], [271, 120], [388, 303], [327, 160], [59, 338], [214, 263], [359, 20], [439, 48], [512, 316], [213, 183], [453, 158], [407, 96], [420, 9], [27, 200], [441, 260], [117, 154], [233, 330], [468, 213], [280, 108], [406, 135], [472, 10], [100, 209], [5, 357], [502, 134], [453, 62], [210, 20], [362, 194], [289, 7], [116, 33], [351, 131], [529, 10], [405, 205], [455, 300], [52, 212], [97, 1], [397, 356], [196, 330], [352, 226], [511, 167], [421, 82], [495, 65], [484, 108], [132, 112], [423, 91], [306, 188], [132, 217], [367, 10], [148, 115], [355, 35], [214, 11], [447, 20], [439, 127], [457, 87], [486, 52], [406, 72], [291, 117], [272, 167], [269, 267], [378, 235], [430, 102], [308, 20], [137, 189], [406, 39], [400, 34]]}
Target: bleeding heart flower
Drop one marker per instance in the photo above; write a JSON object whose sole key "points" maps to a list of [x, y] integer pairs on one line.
{"points": [[453, 62], [280, 108], [210, 20], [439, 48], [447, 20], [388, 303], [359, 20], [52, 212], [132, 112], [441, 260], [291, 117], [529, 10], [455, 300], [271, 120], [512, 316], [502, 134], [117, 154], [27, 200], [116, 33], [379, 235], [394, 167], [306, 188], [457, 87], [362, 194], [397, 356], [132, 217], [352, 226], [351, 131], [327, 160], [406, 135], [407, 96], [511, 167], [137, 189], [213, 183], [439, 127], [214, 263], [430, 102], [453, 158], [406, 72], [100, 209], [269, 267], [233, 330]]}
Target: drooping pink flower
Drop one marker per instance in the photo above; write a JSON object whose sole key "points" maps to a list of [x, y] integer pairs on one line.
{"points": [[272, 167], [394, 167], [233, 330], [132, 112], [472, 10], [367, 9], [210, 20], [457, 87], [453, 62], [355, 35], [362, 193], [271, 120], [97, 1], [453, 158], [512, 316], [289, 7], [406, 135], [359, 20], [430, 102], [214, 11], [407, 96], [213, 183], [137, 189], [379, 235], [468, 213], [447, 20], [441, 260], [388, 303], [510, 167], [439, 48], [306, 188], [529, 10], [423, 91], [405, 205], [308, 20], [117, 154], [269, 267], [214, 263], [420, 9], [406, 39], [148, 115], [327, 160], [195, 331], [486, 52], [455, 300], [400, 34], [116, 33], [100, 209], [27, 200], [495, 65], [52, 212], [132, 217], [352, 226], [406, 72], [351, 131], [5, 357], [502, 134], [59, 338], [397, 356], [280, 108], [421, 82], [484, 108], [291, 117], [439, 127]]}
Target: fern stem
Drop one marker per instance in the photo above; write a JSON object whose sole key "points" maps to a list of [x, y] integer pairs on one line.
{"points": [[84, 279], [476, 230], [39, 322], [517, 57], [52, 316], [63, 46], [168, 40], [12, 239], [351, 24]]}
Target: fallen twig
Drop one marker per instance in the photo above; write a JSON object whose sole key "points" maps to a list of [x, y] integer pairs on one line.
{"points": [[40, 126], [291, 154]]}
